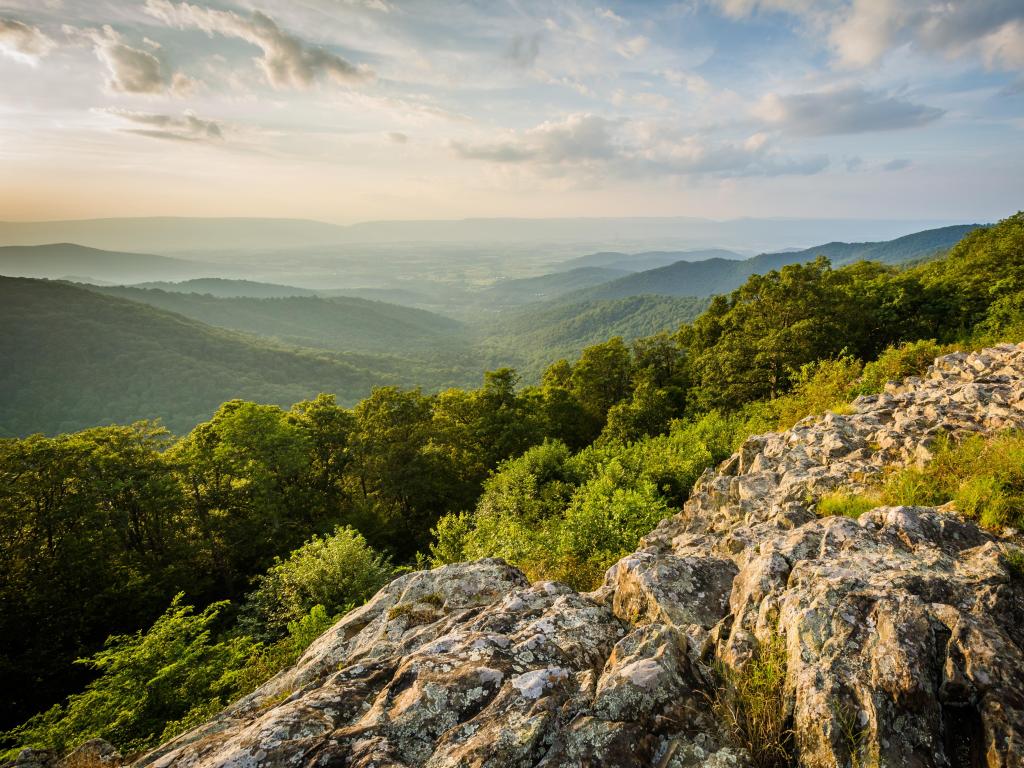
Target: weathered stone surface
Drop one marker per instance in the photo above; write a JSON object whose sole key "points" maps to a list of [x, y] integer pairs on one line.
{"points": [[95, 753], [904, 630]]}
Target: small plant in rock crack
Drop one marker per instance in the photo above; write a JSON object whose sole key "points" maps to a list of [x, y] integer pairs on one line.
{"points": [[1014, 559], [854, 735], [751, 702]]}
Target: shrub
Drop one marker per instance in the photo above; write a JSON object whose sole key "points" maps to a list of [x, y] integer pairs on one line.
{"points": [[172, 673], [820, 386], [897, 363], [335, 572], [751, 702], [1015, 564]]}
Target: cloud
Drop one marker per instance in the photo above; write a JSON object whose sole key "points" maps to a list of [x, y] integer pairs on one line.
{"points": [[23, 42], [991, 29], [576, 139], [601, 147], [398, 138], [695, 84], [188, 127], [842, 111], [861, 32], [523, 50], [131, 70], [739, 9], [897, 164], [287, 61]]}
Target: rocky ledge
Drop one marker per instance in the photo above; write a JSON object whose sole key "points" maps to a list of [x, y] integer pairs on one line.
{"points": [[903, 630]]}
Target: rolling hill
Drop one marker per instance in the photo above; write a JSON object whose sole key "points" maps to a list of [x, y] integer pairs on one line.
{"points": [[527, 289], [342, 324], [639, 262], [72, 358], [717, 275], [531, 337], [61, 260], [228, 288]]}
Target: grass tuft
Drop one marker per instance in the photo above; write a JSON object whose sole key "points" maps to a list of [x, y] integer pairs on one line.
{"points": [[751, 703]]}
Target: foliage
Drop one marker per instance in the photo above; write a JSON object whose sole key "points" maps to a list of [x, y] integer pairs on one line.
{"points": [[332, 572], [824, 385], [897, 362], [147, 682], [569, 516], [750, 701], [840, 504], [982, 476]]}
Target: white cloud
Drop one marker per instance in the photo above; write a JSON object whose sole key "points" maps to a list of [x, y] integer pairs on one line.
{"points": [[596, 146], [633, 47], [695, 84], [897, 164], [188, 127], [842, 111], [861, 32], [23, 42], [739, 9], [131, 70], [287, 61]]}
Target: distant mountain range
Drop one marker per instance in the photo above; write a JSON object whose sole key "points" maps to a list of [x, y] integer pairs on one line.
{"points": [[226, 288], [717, 275], [343, 324], [68, 260], [74, 358], [639, 262], [170, 235]]}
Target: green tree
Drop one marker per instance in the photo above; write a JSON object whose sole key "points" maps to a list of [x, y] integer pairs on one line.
{"points": [[336, 572]]}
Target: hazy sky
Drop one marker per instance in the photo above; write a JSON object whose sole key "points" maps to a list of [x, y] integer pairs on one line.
{"points": [[347, 110]]}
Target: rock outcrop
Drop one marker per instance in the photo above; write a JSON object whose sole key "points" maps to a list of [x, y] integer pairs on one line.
{"points": [[903, 629]]}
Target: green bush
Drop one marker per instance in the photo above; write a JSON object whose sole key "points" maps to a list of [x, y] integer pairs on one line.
{"points": [[157, 684], [825, 385], [147, 682], [568, 516], [897, 363], [335, 572]]}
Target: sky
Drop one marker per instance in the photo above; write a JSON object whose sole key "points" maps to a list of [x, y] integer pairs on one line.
{"points": [[354, 110]]}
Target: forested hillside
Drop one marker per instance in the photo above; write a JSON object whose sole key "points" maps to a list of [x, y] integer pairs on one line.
{"points": [[344, 324], [62, 260], [641, 262], [105, 526], [227, 288], [717, 275], [531, 337], [75, 358]]}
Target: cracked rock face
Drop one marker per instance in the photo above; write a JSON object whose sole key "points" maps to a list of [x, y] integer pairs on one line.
{"points": [[904, 630]]}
